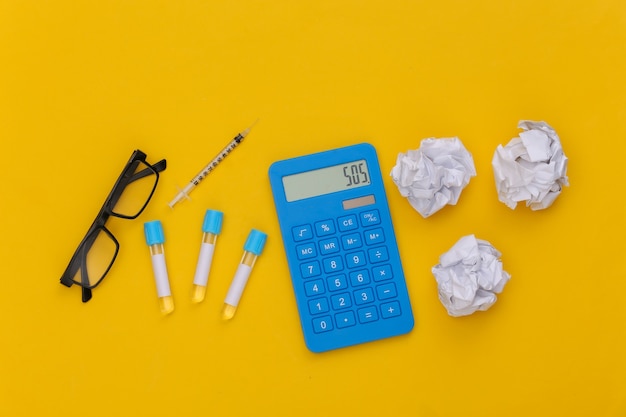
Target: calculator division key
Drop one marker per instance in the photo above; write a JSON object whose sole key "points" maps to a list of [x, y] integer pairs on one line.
{"points": [[322, 324], [370, 218], [367, 314], [325, 228], [302, 232], [378, 254], [345, 319], [389, 310], [374, 236]]}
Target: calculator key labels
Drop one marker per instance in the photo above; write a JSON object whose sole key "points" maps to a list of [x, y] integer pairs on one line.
{"points": [[329, 246], [390, 310], [345, 319], [347, 223], [337, 282], [323, 324], [302, 232], [325, 227], [382, 273], [368, 315], [313, 288], [386, 291], [370, 218], [374, 236], [306, 251], [351, 241]]}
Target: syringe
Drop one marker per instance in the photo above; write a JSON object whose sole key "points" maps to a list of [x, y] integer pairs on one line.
{"points": [[184, 193]]}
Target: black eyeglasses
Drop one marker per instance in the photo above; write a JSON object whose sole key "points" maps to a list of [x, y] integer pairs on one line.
{"points": [[129, 197]]}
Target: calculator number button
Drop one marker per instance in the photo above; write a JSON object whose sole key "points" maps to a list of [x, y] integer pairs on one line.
{"points": [[340, 301], [312, 288], [306, 251], [325, 228], [363, 296], [310, 269], [370, 218], [374, 236], [322, 324], [347, 223], [356, 259], [302, 232], [345, 319], [329, 246], [318, 305], [333, 264], [337, 282], [378, 254], [359, 278]]}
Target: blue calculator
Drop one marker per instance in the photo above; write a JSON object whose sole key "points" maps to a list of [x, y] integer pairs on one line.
{"points": [[341, 247]]}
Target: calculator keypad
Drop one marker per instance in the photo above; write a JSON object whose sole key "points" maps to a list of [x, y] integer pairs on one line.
{"points": [[343, 271], [341, 248]]}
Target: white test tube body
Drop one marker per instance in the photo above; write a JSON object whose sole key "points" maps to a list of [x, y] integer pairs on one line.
{"points": [[155, 239], [211, 228], [252, 248], [161, 278]]}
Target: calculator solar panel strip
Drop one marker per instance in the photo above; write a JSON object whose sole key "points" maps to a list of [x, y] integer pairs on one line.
{"points": [[341, 247]]}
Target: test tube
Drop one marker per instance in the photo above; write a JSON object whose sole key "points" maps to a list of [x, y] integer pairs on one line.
{"points": [[251, 250], [155, 239], [211, 228]]}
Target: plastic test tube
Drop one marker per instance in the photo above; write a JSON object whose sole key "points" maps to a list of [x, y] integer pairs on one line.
{"points": [[252, 248], [155, 239], [211, 227]]}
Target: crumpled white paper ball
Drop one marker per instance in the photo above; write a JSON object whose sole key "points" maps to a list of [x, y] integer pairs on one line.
{"points": [[531, 167], [469, 276], [433, 175]]}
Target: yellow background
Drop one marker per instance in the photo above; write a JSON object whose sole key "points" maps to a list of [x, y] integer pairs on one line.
{"points": [[83, 84]]}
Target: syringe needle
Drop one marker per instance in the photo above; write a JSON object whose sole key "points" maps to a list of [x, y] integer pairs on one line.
{"points": [[184, 193]]}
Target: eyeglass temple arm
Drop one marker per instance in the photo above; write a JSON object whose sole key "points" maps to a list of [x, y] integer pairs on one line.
{"points": [[158, 167]]}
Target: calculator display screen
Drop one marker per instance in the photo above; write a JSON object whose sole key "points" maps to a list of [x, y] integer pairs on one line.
{"points": [[326, 180]]}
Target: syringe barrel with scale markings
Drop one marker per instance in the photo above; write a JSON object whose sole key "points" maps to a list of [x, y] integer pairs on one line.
{"points": [[184, 193]]}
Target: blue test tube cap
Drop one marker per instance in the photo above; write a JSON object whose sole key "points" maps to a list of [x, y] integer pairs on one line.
{"points": [[212, 222], [154, 232], [255, 242]]}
